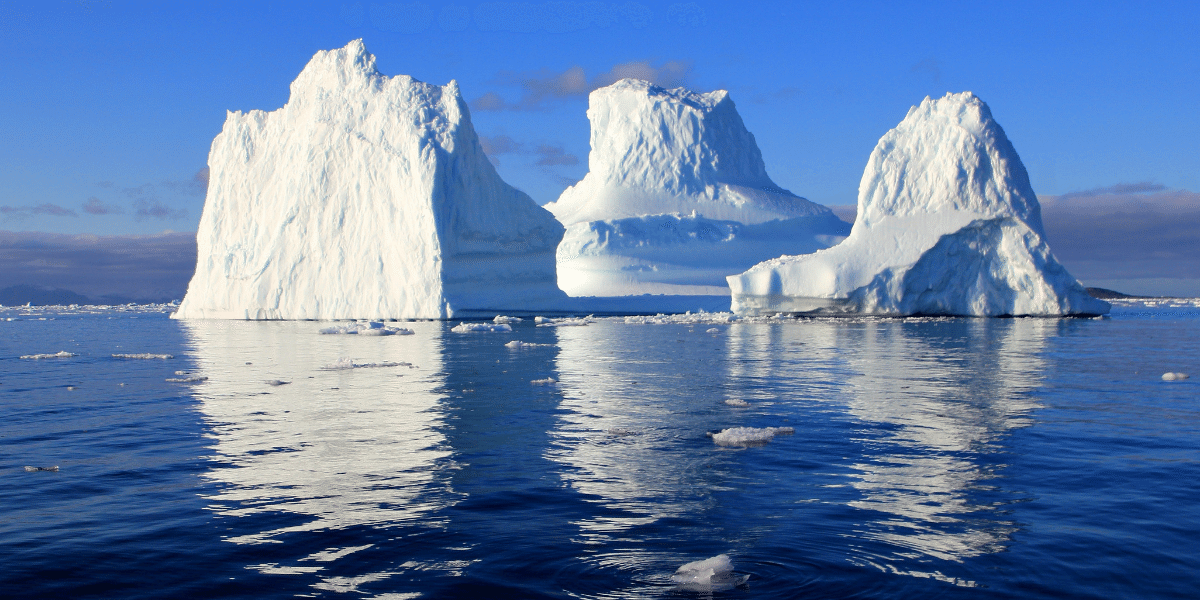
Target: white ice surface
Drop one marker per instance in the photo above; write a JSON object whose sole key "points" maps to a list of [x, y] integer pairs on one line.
{"points": [[144, 355], [59, 354], [1174, 376], [481, 327], [364, 197], [676, 198], [749, 436], [710, 574], [518, 345], [374, 328], [947, 224]]}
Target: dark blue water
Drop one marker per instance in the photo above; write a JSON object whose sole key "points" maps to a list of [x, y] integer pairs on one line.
{"points": [[941, 458]]}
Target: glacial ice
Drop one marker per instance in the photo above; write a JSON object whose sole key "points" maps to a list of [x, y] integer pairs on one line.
{"points": [[59, 354], [708, 575], [676, 198], [1174, 376], [364, 197], [749, 436], [947, 224], [373, 328], [481, 327]]}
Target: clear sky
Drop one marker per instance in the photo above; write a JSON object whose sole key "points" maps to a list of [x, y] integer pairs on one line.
{"points": [[110, 107]]}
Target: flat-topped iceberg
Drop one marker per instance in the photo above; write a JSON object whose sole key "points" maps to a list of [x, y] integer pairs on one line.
{"points": [[364, 197], [676, 198], [947, 224]]}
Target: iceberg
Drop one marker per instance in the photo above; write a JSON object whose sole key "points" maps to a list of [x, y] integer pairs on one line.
{"points": [[364, 197], [676, 198], [947, 224]]}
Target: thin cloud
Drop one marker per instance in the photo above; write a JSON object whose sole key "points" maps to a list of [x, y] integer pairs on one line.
{"points": [[1141, 187], [494, 146], [147, 209], [49, 209], [544, 86], [94, 206], [554, 156]]}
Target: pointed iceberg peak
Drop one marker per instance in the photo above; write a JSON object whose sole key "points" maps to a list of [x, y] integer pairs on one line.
{"points": [[947, 224], [351, 66], [948, 154]]}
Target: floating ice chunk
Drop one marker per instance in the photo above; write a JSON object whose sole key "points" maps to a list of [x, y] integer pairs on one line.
{"points": [[688, 318], [749, 436], [546, 381], [346, 363], [540, 320], [1174, 376], [277, 382], [518, 344], [373, 328], [565, 322], [710, 574], [738, 402], [61, 354], [712, 330], [36, 469], [504, 319], [144, 355], [471, 327], [185, 378]]}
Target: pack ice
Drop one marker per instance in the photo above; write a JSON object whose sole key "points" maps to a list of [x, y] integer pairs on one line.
{"points": [[947, 224], [676, 198], [364, 197]]}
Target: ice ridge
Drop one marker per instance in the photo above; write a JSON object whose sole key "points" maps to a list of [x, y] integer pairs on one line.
{"points": [[364, 197], [947, 224]]}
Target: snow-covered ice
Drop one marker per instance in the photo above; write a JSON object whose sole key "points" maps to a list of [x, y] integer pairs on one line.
{"points": [[947, 224], [749, 436], [481, 327], [708, 575], [59, 354], [676, 198], [368, 329], [506, 320], [546, 381], [565, 322], [144, 356], [519, 345], [738, 402], [1174, 376], [364, 197]]}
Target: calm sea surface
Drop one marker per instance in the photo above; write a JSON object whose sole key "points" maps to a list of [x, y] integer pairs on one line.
{"points": [[930, 458]]}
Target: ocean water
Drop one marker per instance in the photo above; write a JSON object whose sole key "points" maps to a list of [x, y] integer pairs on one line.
{"points": [[931, 458]]}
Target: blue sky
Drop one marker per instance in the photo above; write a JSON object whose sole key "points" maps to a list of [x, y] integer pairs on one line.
{"points": [[111, 106]]}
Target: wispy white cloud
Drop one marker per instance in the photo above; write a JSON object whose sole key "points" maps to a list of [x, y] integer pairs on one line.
{"points": [[544, 86]]}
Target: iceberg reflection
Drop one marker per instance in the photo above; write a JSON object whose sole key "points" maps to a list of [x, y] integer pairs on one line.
{"points": [[319, 433], [947, 393]]}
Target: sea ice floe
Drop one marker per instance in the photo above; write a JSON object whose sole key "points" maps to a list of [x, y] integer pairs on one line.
{"points": [[371, 328], [186, 378], [473, 327], [565, 322], [277, 382], [518, 344], [738, 402], [749, 436], [688, 318], [144, 355], [546, 381], [710, 574], [61, 354], [1174, 376], [346, 363], [506, 320], [29, 469]]}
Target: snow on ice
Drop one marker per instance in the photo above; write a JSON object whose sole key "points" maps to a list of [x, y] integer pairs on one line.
{"points": [[748, 436], [947, 224], [364, 197], [481, 327], [676, 198], [59, 354]]}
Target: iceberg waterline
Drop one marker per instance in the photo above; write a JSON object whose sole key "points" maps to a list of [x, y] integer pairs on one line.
{"points": [[369, 197]]}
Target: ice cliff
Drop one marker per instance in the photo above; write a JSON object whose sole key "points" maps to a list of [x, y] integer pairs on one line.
{"points": [[947, 224], [364, 197], [676, 198]]}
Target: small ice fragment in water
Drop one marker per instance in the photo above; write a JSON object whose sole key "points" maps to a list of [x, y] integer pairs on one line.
{"points": [[372, 328], [277, 382], [144, 355], [60, 354], [506, 320], [1174, 376], [346, 363], [470, 327], [712, 330], [546, 381], [187, 378], [36, 469], [710, 574], [738, 402], [748, 436], [517, 344]]}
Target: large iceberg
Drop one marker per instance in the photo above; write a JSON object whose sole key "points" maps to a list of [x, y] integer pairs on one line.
{"points": [[676, 198], [364, 197], [947, 224]]}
